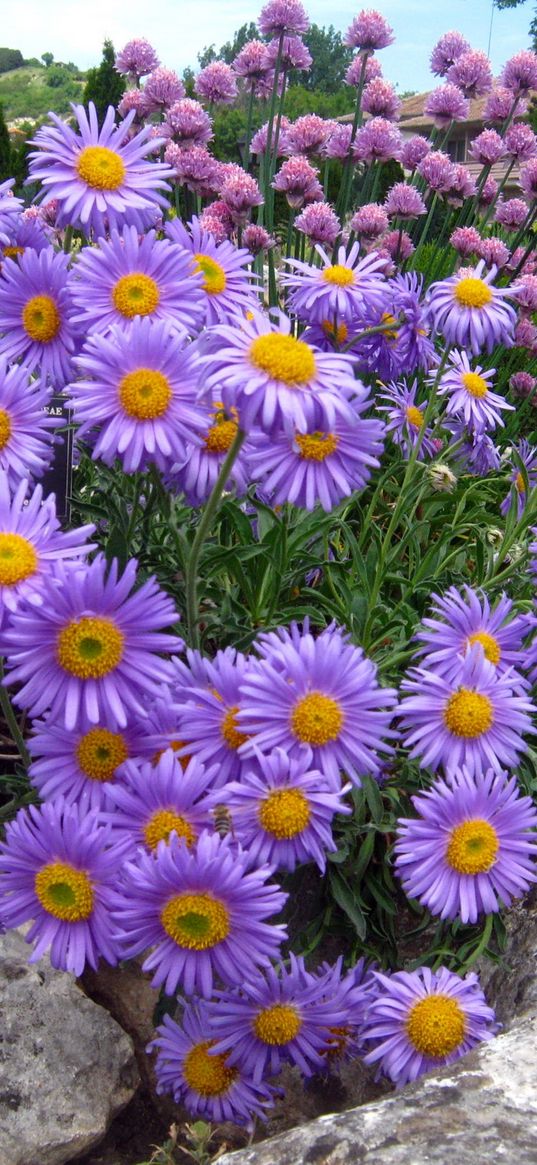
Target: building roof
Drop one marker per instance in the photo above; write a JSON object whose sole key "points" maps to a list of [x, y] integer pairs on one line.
{"points": [[412, 118]]}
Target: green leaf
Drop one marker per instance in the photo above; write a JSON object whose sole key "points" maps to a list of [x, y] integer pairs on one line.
{"points": [[342, 894]]}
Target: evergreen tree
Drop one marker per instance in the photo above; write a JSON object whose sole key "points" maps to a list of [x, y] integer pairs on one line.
{"points": [[5, 149], [104, 86]]}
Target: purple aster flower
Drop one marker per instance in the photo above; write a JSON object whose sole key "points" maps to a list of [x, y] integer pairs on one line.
{"points": [[282, 811], [355, 74], [58, 869], [446, 51], [36, 315], [293, 53], [201, 1080], [520, 142], [202, 912], [138, 58], [162, 88], [338, 291], [259, 142], [472, 847], [405, 419], [438, 171], [487, 148], [475, 452], [404, 202], [461, 618], [500, 104], [413, 151], [528, 178], [307, 135], [380, 99], [369, 221], [208, 722], [418, 1021], [216, 84], [28, 231], [476, 718], [257, 239], [339, 143], [472, 73], [187, 123], [128, 276], [470, 312], [26, 429], [196, 474], [377, 140], [10, 209], [154, 802], [298, 180], [466, 241], [518, 492], [520, 73], [494, 252], [319, 692], [241, 193], [227, 282], [415, 348], [280, 17], [469, 394], [369, 32], [526, 294], [93, 646], [81, 764], [252, 62], [446, 104], [522, 384], [100, 178]]}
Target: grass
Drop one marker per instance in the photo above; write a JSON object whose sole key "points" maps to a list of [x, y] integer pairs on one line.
{"points": [[24, 93]]}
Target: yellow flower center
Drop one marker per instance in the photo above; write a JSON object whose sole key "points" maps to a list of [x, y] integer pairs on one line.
{"points": [[490, 645], [338, 1040], [13, 252], [341, 276], [520, 485], [277, 1025], [316, 446], [283, 358], [175, 746], [5, 428], [472, 292], [18, 559], [468, 714], [90, 647], [145, 394], [100, 752], [473, 847], [214, 276], [474, 384], [414, 416], [41, 319], [101, 168], [316, 719], [229, 730], [436, 1026], [64, 892], [284, 813], [221, 436], [161, 824], [135, 295], [196, 921], [389, 334], [339, 334], [205, 1074]]}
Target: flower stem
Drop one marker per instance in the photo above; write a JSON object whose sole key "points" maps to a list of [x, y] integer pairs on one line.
{"points": [[11, 720]]}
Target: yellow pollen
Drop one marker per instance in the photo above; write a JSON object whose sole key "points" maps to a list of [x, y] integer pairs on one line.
{"points": [[490, 645], [41, 319], [387, 318], [145, 394], [316, 719], [436, 1026], [229, 730], [214, 276], [520, 484], [283, 358], [18, 559], [90, 647], [221, 436], [100, 752], [13, 252], [284, 813], [176, 746], [277, 1025], [473, 847], [474, 384], [195, 921], [5, 428], [316, 446], [136, 295], [468, 714], [64, 892], [205, 1074], [414, 417], [161, 824], [101, 168], [338, 1039], [339, 334], [472, 293], [341, 276]]}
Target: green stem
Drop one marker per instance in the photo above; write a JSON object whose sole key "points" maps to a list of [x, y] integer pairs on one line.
{"points": [[11, 720], [490, 209], [346, 182], [67, 239], [248, 130]]}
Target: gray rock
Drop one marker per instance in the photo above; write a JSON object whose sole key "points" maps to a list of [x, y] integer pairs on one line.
{"points": [[66, 1067]]}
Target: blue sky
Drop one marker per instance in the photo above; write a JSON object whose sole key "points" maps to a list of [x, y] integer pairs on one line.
{"points": [[75, 29]]}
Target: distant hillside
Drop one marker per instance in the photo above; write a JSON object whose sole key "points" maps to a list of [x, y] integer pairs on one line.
{"points": [[30, 92]]}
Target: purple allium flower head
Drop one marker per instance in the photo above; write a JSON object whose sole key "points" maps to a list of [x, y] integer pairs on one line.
{"points": [[518, 492], [93, 646], [81, 764], [398, 246], [10, 209], [446, 51], [132, 101], [413, 151], [369, 32], [26, 428], [293, 53], [446, 104], [520, 73], [470, 312], [153, 802], [475, 718], [138, 58], [58, 869], [356, 70], [526, 294], [162, 88], [216, 84], [499, 105], [256, 239], [471, 848], [127, 277], [100, 178], [36, 315], [252, 62], [214, 225], [187, 123], [461, 618], [418, 1021], [298, 180], [339, 142], [494, 252], [320, 692], [308, 134], [472, 73], [381, 100], [469, 396], [264, 87], [194, 167], [259, 142], [528, 178], [405, 419], [319, 223], [462, 186], [487, 147], [338, 291], [438, 171], [466, 241], [240, 192], [378, 139], [227, 282], [404, 202], [201, 911], [488, 192], [201, 1081], [280, 17], [520, 142], [522, 384], [369, 221]]}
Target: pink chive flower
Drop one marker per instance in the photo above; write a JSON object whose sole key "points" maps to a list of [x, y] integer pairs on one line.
{"points": [[463, 185], [369, 32], [526, 294], [308, 134], [161, 89], [263, 88], [138, 58], [398, 245], [240, 192], [373, 69], [252, 62], [520, 142], [132, 99], [489, 191], [378, 139], [494, 252], [414, 150], [280, 17], [487, 148], [520, 73], [528, 178], [381, 100], [522, 384], [370, 221], [526, 335], [511, 213], [466, 241], [339, 142], [530, 263], [259, 142], [319, 223], [500, 103], [298, 180], [472, 73], [294, 54], [215, 227], [446, 104], [187, 123], [194, 167], [438, 171], [403, 201], [256, 239], [446, 51], [216, 84]]}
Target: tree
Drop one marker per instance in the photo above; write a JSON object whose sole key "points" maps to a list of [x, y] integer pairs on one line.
{"points": [[5, 149], [229, 50], [10, 59], [47, 58], [331, 59], [533, 26], [104, 86]]}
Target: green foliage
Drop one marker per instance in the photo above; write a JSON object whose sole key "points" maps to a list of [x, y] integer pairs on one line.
{"points": [[229, 51], [47, 59], [300, 100], [331, 59], [229, 127], [10, 59], [104, 86], [5, 149], [26, 93]]}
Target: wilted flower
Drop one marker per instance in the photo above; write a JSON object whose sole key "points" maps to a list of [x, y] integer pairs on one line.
{"points": [[441, 477]]}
